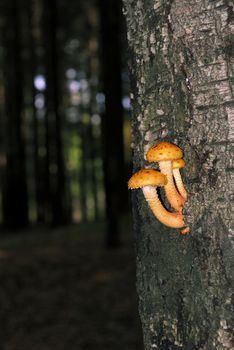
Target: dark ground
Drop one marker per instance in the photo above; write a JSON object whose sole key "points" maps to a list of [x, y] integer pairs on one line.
{"points": [[61, 290]]}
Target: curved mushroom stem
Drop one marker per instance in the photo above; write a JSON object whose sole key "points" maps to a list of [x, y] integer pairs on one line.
{"points": [[167, 218], [174, 198], [179, 183]]}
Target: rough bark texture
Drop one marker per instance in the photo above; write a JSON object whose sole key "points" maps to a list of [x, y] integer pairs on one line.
{"points": [[182, 66]]}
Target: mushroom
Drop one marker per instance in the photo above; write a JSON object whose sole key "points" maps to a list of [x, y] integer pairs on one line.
{"points": [[184, 231], [176, 166], [164, 153], [148, 180]]}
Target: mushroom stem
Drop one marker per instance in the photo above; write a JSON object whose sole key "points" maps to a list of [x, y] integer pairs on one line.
{"points": [[179, 183], [167, 218], [174, 198], [184, 231]]}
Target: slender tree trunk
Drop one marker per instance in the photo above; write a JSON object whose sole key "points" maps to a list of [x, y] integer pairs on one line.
{"points": [[112, 121], [15, 205], [55, 162], [92, 170], [182, 91], [2, 109], [94, 149], [35, 39], [83, 173]]}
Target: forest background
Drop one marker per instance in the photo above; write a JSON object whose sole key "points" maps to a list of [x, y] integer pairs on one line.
{"points": [[66, 247]]}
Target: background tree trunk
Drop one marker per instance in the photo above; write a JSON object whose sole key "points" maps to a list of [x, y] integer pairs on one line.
{"points": [[35, 40], [15, 198], [112, 119], [55, 163], [182, 63]]}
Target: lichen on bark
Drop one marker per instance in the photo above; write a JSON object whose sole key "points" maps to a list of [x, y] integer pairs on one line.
{"points": [[181, 68]]}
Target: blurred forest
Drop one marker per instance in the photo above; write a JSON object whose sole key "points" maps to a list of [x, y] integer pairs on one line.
{"points": [[64, 102], [64, 160]]}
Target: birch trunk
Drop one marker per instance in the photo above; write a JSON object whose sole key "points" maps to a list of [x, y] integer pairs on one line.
{"points": [[182, 66]]}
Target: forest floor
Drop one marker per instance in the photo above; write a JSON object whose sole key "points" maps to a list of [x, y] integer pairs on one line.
{"points": [[63, 290]]}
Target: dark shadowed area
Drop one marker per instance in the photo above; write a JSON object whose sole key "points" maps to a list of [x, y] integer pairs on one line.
{"points": [[62, 290]]}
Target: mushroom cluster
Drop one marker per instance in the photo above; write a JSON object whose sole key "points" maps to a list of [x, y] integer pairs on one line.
{"points": [[169, 157]]}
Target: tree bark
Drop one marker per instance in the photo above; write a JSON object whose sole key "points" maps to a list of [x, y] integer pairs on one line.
{"points": [[182, 66]]}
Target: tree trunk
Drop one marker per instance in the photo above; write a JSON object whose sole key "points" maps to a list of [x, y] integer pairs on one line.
{"points": [[57, 198], [182, 66], [35, 41], [83, 174], [15, 199], [112, 120]]}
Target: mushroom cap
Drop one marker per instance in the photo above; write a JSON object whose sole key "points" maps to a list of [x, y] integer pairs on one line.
{"points": [[147, 177], [178, 164], [164, 151]]}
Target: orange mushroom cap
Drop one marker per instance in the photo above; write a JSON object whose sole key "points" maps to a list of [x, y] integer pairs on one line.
{"points": [[164, 151], [147, 177]]}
